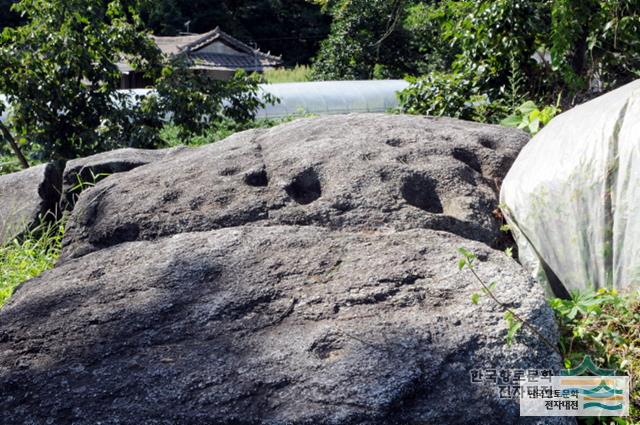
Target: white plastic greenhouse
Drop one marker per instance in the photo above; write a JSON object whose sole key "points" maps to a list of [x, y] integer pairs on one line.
{"points": [[332, 97], [324, 97]]}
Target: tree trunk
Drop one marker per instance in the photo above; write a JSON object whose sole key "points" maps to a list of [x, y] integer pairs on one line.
{"points": [[14, 146]]}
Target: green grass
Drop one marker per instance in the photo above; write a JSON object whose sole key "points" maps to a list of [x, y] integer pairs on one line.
{"points": [[170, 134], [9, 164], [25, 258], [299, 73]]}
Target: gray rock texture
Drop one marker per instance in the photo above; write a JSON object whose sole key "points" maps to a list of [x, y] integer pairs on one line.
{"points": [[304, 274], [358, 172], [268, 325], [28, 197], [82, 173]]}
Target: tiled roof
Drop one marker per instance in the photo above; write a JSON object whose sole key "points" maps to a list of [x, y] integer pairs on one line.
{"points": [[246, 58], [190, 44], [173, 45], [224, 61]]}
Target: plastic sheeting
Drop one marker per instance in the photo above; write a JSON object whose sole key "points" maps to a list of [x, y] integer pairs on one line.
{"points": [[572, 197], [331, 97]]}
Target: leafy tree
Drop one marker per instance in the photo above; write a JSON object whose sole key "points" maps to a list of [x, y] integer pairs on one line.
{"points": [[367, 40], [185, 93], [494, 43], [572, 48], [60, 76], [59, 73], [291, 28], [595, 44], [425, 23]]}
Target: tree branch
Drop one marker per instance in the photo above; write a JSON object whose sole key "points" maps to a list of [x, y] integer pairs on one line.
{"points": [[14, 146]]}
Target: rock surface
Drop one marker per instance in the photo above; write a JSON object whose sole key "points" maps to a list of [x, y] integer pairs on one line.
{"points": [[26, 197], [296, 275], [268, 325], [358, 172], [83, 173]]}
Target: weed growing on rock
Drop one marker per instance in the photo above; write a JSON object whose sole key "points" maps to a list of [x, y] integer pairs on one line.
{"points": [[513, 321]]}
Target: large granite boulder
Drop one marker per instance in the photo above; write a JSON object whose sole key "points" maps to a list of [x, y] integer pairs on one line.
{"points": [[27, 198], [304, 274], [82, 173], [359, 172], [269, 325]]}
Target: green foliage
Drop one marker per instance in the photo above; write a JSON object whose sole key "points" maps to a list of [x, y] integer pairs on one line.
{"points": [[171, 134], [495, 47], [424, 22], [367, 40], [299, 73], [530, 118], [595, 39], [604, 325], [24, 258], [8, 164], [513, 326], [440, 93], [196, 102], [291, 28], [512, 321]]}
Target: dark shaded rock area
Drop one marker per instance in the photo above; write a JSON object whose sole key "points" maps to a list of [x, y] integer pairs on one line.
{"points": [[273, 325], [27, 198]]}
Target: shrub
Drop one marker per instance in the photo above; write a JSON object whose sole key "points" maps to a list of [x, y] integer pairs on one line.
{"points": [[171, 134], [438, 94], [604, 325], [530, 118], [571, 47], [299, 73]]}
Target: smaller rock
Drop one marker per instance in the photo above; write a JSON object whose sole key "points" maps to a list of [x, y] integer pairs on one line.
{"points": [[28, 197], [82, 173]]}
